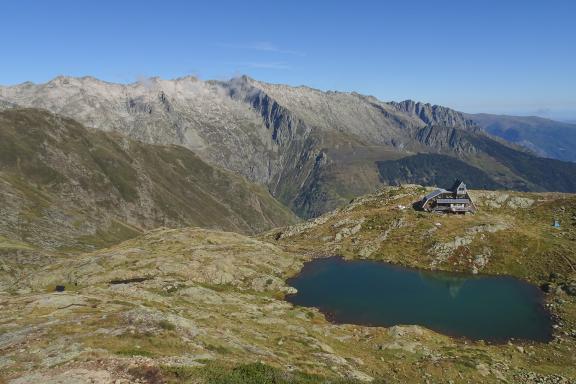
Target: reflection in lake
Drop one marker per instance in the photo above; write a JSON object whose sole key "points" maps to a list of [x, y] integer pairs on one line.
{"points": [[451, 282], [492, 308]]}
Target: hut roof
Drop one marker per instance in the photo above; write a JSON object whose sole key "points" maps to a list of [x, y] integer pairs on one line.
{"points": [[435, 193]]}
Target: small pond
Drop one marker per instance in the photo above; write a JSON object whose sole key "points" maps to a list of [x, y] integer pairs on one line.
{"points": [[491, 308]]}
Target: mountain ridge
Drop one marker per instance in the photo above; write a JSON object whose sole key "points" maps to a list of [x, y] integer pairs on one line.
{"points": [[545, 137], [313, 150]]}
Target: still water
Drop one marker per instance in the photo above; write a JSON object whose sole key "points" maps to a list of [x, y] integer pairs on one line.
{"points": [[492, 308]]}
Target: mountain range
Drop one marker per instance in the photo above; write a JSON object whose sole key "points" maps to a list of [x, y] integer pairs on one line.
{"points": [[125, 210], [312, 150], [546, 138]]}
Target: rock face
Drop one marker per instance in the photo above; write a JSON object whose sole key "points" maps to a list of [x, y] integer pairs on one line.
{"points": [[313, 150], [65, 186], [435, 114]]}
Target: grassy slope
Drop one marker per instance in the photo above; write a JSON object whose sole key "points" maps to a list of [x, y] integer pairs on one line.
{"points": [[71, 187], [211, 301], [432, 170], [512, 234], [490, 165], [514, 227], [540, 174]]}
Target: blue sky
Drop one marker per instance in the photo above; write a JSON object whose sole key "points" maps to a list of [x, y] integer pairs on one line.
{"points": [[493, 56]]}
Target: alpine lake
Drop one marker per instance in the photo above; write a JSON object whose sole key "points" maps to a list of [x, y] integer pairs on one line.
{"points": [[476, 307]]}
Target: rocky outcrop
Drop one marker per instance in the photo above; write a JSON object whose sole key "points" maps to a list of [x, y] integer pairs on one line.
{"points": [[435, 115], [445, 139], [441, 251], [209, 297]]}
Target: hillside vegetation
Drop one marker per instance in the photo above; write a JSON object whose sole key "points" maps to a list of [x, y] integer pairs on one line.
{"points": [[511, 233], [203, 306], [432, 169], [64, 186]]}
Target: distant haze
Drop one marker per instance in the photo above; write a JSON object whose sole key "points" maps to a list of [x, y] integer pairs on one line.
{"points": [[563, 115]]}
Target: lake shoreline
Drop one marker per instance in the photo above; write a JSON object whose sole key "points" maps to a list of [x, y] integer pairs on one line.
{"points": [[531, 289]]}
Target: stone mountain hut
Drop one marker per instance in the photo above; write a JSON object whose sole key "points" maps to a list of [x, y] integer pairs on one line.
{"points": [[453, 200]]}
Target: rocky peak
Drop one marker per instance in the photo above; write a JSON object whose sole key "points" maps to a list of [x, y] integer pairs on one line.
{"points": [[445, 138], [434, 114]]}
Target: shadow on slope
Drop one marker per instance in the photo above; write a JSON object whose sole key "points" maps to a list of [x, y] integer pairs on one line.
{"points": [[433, 170]]}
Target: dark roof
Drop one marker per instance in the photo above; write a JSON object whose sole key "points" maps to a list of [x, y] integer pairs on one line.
{"points": [[433, 194]]}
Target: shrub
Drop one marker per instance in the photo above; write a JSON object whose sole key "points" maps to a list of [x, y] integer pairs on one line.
{"points": [[166, 325]]}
